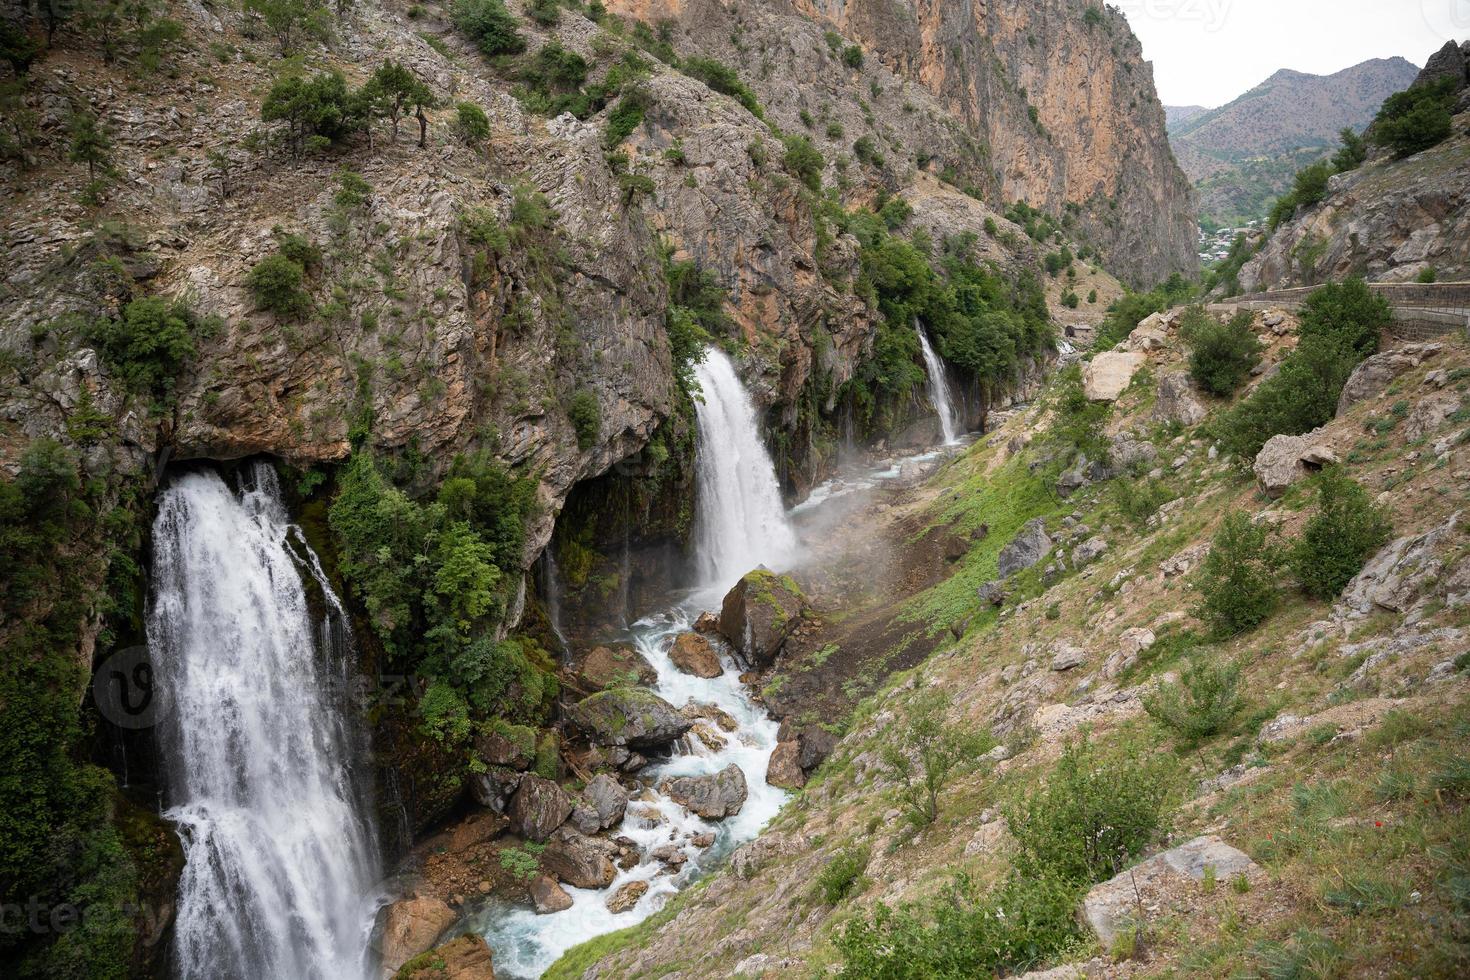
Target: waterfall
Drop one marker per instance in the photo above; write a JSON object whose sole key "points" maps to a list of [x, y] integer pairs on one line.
{"points": [[938, 389], [740, 521], [280, 859], [551, 595]]}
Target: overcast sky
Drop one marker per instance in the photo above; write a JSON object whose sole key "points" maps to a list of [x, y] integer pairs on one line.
{"points": [[1207, 52]]}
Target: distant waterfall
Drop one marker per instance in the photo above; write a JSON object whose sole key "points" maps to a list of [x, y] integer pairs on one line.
{"points": [[280, 859], [939, 389], [739, 521]]}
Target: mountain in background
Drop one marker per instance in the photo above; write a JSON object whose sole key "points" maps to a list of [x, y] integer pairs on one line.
{"points": [[1242, 155], [1178, 115]]}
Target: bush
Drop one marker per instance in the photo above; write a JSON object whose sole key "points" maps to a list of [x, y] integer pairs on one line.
{"points": [[276, 282], [924, 754], [842, 875], [1238, 577], [1299, 397], [1338, 540], [148, 346], [1200, 704], [471, 124], [489, 25], [543, 12], [1416, 119], [318, 111], [1348, 311], [965, 934], [866, 151], [586, 417], [722, 79], [1221, 355], [852, 56], [1089, 818], [1138, 501], [1309, 188], [804, 160]]}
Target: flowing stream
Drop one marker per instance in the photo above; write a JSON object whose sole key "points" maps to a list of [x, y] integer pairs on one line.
{"points": [[740, 523], [939, 395], [280, 859]]}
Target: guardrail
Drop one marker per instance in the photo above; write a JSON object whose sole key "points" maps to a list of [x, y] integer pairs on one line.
{"points": [[1420, 310]]}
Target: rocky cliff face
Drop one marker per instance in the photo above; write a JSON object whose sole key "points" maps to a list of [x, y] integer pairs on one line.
{"points": [[1048, 102], [1390, 220]]}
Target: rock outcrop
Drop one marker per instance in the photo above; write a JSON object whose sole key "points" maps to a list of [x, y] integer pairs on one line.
{"points": [[466, 957], [1284, 460], [409, 927], [1109, 374], [1159, 882], [694, 654], [617, 666], [538, 807], [1029, 546]]}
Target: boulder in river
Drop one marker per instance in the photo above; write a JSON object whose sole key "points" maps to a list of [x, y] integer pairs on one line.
{"points": [[784, 769], [629, 716], [579, 860], [548, 896], [617, 666], [759, 613], [694, 654], [464, 957], [607, 799], [538, 807], [410, 926], [626, 896], [714, 797]]}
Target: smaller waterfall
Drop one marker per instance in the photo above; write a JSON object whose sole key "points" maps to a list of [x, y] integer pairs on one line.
{"points": [[939, 389], [740, 520], [551, 595]]}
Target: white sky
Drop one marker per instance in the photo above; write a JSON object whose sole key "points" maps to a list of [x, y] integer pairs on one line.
{"points": [[1207, 52]]}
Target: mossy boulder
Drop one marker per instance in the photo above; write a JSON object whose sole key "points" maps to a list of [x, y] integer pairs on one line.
{"points": [[617, 666], [513, 746], [466, 957], [629, 717], [760, 613]]}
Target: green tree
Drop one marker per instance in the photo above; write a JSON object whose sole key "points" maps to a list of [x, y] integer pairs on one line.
{"points": [[317, 111], [1200, 704], [398, 91], [1221, 355], [290, 21], [1349, 312], [926, 753], [1299, 397], [1237, 580], [276, 284], [90, 143], [150, 343], [1416, 119], [1089, 818], [1353, 151], [1340, 537], [17, 47]]}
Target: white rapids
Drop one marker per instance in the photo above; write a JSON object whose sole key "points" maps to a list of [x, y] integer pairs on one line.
{"points": [[280, 859]]}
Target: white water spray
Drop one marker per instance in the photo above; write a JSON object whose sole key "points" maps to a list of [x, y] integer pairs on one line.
{"points": [[280, 860], [939, 395], [740, 521]]}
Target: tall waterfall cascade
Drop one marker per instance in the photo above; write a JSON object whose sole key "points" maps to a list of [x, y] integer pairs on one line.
{"points": [[939, 395], [280, 858], [740, 521]]}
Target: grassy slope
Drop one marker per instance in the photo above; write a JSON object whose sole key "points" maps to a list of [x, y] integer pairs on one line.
{"points": [[1357, 815]]}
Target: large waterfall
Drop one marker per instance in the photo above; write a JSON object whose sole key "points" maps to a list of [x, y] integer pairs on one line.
{"points": [[938, 389], [280, 859], [740, 521]]}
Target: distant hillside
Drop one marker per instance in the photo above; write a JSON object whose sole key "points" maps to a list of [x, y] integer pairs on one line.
{"points": [[1178, 115], [1243, 154]]}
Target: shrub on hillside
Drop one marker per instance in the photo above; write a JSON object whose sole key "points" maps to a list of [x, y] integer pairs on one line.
{"points": [[925, 754], [1299, 397], [149, 344], [965, 933], [804, 160], [1416, 119], [1348, 311], [724, 79], [1238, 578], [1088, 819], [489, 25], [275, 282], [842, 874], [1200, 704], [1345, 531], [471, 124], [1308, 188], [1221, 355], [585, 416]]}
